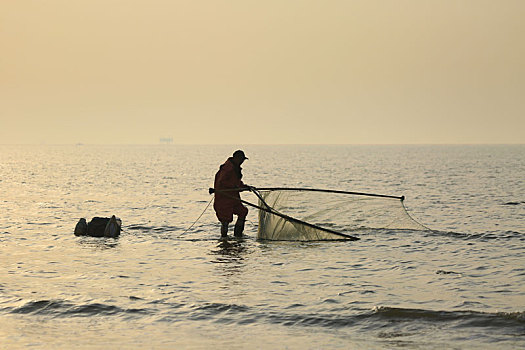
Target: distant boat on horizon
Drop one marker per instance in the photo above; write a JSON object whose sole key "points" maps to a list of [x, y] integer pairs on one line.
{"points": [[166, 140]]}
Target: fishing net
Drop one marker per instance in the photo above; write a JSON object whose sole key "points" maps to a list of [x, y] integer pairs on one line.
{"points": [[308, 214]]}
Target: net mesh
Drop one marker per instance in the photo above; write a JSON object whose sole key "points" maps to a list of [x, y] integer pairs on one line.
{"points": [[332, 212]]}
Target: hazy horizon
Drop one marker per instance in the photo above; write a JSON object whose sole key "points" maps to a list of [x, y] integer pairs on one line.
{"points": [[246, 72]]}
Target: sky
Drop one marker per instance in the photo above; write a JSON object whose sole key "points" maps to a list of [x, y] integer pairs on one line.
{"points": [[262, 72]]}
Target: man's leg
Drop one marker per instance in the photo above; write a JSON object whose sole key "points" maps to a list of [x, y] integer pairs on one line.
{"points": [[239, 227], [225, 216], [224, 229], [241, 212]]}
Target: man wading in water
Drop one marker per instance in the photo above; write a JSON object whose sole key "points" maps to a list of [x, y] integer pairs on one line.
{"points": [[228, 202]]}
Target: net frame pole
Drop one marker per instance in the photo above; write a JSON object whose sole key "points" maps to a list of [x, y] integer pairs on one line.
{"points": [[242, 189], [328, 191]]}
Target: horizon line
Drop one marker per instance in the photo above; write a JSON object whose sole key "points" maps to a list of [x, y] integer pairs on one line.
{"points": [[264, 144]]}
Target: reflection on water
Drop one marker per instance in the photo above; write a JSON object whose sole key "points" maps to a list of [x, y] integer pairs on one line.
{"points": [[230, 251], [98, 243], [230, 256]]}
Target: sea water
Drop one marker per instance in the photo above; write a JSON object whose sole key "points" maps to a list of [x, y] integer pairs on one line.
{"points": [[461, 285]]}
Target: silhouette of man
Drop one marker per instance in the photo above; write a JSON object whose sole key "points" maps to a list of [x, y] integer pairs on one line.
{"points": [[227, 202]]}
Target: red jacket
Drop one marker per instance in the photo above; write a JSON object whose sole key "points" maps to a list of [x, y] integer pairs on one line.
{"points": [[228, 177]]}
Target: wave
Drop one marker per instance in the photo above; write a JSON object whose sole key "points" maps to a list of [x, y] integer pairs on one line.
{"points": [[384, 317], [378, 318], [445, 272], [479, 236], [478, 318], [64, 308], [215, 308], [389, 321]]}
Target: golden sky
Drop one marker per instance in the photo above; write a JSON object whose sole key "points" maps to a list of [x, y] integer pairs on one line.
{"points": [[273, 71]]}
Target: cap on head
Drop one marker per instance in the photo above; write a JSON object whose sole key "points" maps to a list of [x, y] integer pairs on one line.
{"points": [[239, 154]]}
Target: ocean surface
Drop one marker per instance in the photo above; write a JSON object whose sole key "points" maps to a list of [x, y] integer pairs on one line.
{"points": [[459, 286]]}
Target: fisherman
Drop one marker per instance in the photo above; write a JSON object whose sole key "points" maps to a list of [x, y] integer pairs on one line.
{"points": [[227, 185]]}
